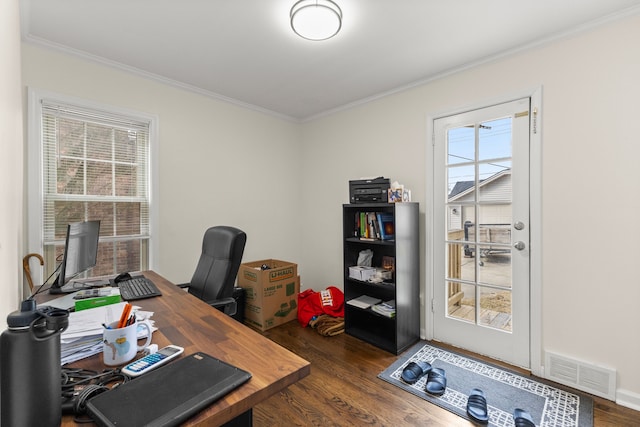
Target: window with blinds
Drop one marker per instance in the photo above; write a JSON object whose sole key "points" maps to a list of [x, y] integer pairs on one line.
{"points": [[96, 167]]}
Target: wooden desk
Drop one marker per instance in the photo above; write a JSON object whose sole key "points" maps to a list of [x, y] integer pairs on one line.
{"points": [[184, 320]]}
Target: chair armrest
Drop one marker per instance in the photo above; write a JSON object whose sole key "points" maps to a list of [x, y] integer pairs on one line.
{"points": [[228, 305]]}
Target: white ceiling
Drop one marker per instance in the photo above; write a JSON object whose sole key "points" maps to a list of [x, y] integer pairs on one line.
{"points": [[244, 51]]}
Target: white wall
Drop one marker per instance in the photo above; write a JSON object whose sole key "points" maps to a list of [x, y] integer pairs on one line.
{"points": [[11, 190], [285, 183], [218, 163], [591, 90]]}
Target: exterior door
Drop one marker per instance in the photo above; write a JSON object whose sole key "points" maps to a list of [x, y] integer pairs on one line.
{"points": [[481, 231]]}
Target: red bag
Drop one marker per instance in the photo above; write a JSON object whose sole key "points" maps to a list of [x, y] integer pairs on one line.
{"points": [[312, 303]]}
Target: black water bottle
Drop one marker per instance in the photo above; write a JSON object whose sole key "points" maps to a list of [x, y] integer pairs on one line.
{"points": [[30, 372]]}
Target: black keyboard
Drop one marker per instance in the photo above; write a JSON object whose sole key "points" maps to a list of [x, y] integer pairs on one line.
{"points": [[138, 288]]}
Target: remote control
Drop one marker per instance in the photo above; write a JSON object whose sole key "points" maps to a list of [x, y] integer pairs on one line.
{"points": [[152, 361]]}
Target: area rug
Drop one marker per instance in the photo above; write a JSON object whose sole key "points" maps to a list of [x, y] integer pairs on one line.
{"points": [[505, 390]]}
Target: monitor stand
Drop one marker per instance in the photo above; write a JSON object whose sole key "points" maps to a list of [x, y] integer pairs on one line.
{"points": [[68, 288], [76, 286], [57, 289]]}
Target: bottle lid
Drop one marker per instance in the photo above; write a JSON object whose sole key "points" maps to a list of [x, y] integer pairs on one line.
{"points": [[24, 317]]}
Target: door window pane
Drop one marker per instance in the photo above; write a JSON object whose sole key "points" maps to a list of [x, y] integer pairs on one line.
{"points": [[461, 303], [495, 182], [495, 308], [461, 145], [495, 266], [494, 139], [459, 265], [461, 183]]}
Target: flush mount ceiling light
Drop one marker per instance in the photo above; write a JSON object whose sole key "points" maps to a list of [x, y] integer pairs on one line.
{"points": [[316, 19]]}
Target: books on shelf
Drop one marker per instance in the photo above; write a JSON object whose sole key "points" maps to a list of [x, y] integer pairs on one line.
{"points": [[363, 301], [387, 309], [387, 227], [374, 226]]}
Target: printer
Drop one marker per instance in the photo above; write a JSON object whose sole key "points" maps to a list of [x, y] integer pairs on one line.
{"points": [[369, 190]]}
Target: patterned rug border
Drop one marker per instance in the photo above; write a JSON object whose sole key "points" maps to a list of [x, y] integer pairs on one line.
{"points": [[452, 400]]}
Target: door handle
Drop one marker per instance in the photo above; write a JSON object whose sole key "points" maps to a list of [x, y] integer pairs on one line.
{"points": [[519, 245]]}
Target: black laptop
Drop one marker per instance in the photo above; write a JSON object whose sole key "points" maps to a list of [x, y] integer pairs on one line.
{"points": [[169, 395]]}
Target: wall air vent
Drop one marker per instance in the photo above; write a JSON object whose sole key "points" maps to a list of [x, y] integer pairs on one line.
{"points": [[580, 375]]}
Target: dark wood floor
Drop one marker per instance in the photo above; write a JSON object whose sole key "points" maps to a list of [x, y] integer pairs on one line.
{"points": [[343, 389]]}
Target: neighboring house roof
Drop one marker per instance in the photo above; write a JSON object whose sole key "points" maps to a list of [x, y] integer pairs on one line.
{"points": [[462, 188]]}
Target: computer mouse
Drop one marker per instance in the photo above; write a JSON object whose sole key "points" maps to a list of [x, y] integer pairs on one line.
{"points": [[122, 276]]}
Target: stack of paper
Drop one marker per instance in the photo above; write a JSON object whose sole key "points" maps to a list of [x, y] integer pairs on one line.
{"points": [[363, 301], [83, 337], [387, 309], [362, 273]]}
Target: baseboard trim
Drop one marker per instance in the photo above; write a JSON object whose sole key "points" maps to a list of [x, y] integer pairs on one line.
{"points": [[628, 399]]}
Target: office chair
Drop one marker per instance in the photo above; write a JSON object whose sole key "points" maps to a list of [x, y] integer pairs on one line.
{"points": [[215, 275]]}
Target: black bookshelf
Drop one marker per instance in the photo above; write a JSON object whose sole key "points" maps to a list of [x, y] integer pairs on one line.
{"points": [[393, 334]]}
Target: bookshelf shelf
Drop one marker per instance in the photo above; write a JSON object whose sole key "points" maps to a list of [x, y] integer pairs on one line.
{"points": [[370, 242], [394, 334]]}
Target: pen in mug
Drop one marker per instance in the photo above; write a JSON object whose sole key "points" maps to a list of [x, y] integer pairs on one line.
{"points": [[125, 316], [131, 320]]}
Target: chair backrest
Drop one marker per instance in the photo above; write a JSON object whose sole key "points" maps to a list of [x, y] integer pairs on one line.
{"points": [[215, 275]]}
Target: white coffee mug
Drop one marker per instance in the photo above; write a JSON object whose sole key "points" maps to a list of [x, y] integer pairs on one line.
{"points": [[120, 345]]}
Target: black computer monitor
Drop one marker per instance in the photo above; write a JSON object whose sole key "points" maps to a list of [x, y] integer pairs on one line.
{"points": [[80, 254]]}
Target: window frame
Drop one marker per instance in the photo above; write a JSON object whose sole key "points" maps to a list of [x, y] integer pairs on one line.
{"points": [[35, 190]]}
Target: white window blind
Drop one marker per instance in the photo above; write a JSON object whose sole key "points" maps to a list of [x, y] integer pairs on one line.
{"points": [[96, 166]]}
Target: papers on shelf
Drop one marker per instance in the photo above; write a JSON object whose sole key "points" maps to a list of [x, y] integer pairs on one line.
{"points": [[361, 273], [363, 301], [370, 274], [83, 337], [387, 309]]}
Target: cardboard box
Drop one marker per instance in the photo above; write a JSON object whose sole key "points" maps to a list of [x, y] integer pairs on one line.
{"points": [[271, 296]]}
